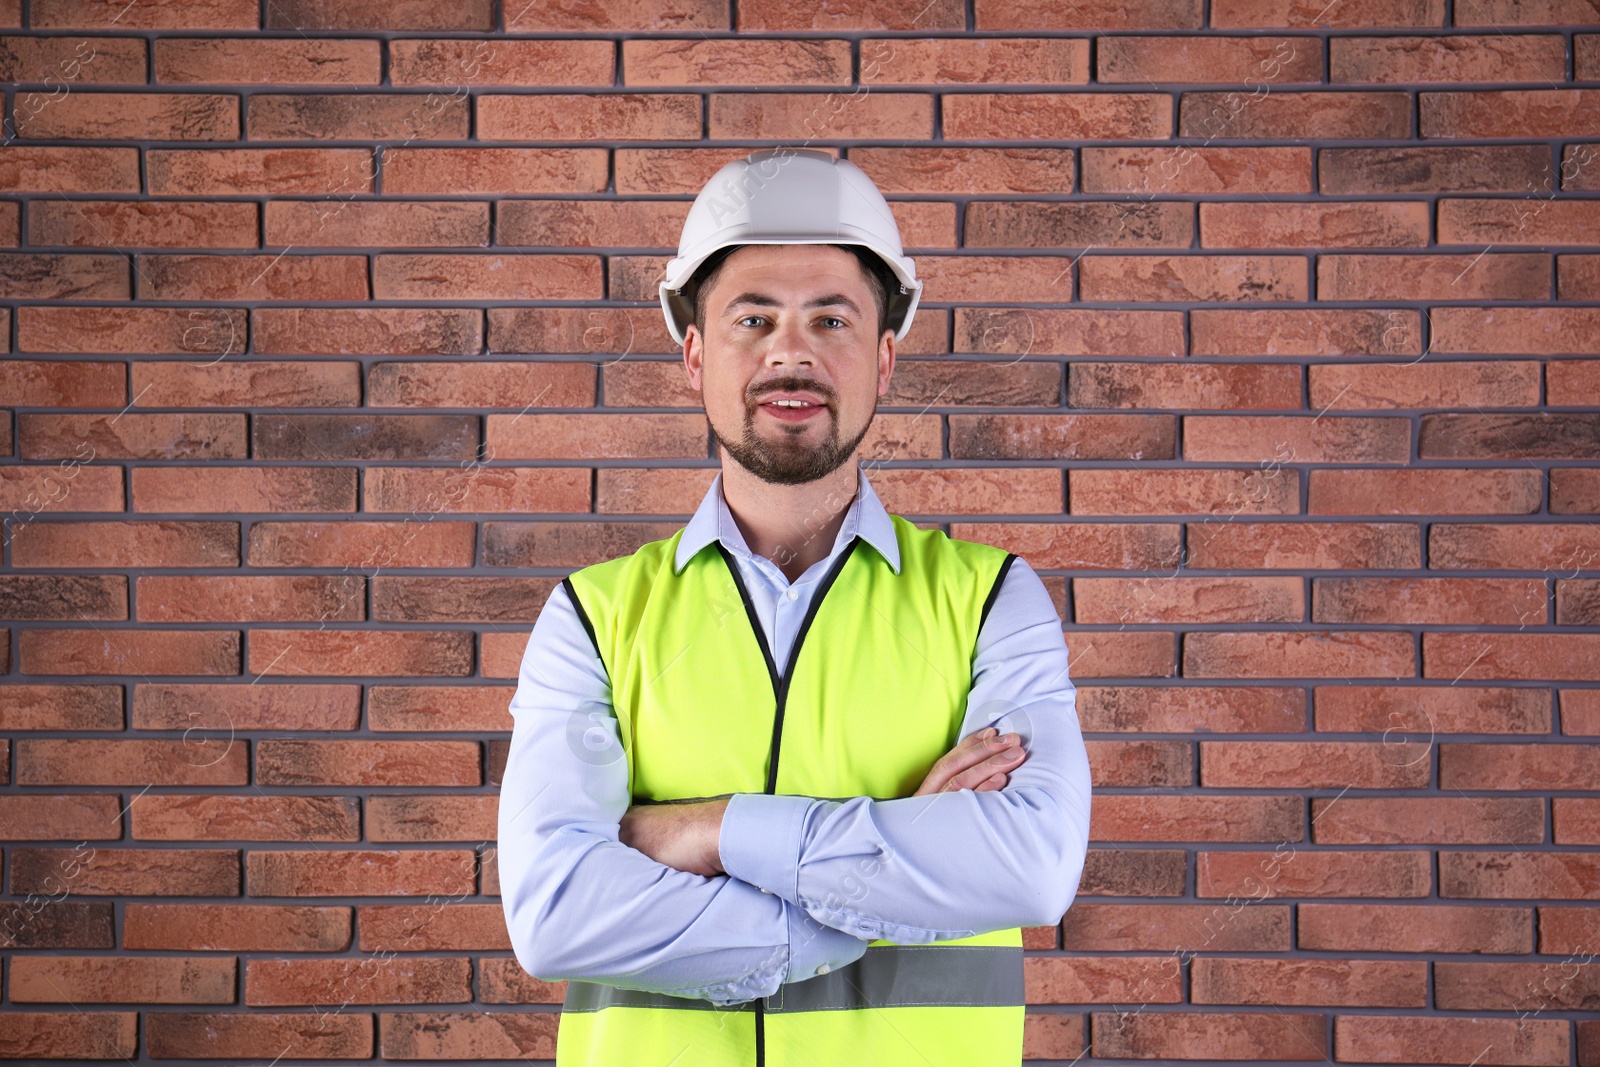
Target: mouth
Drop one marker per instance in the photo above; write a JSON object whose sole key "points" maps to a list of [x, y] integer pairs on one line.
{"points": [[791, 413]]}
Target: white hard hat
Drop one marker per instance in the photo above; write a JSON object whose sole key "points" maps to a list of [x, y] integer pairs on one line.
{"points": [[781, 196]]}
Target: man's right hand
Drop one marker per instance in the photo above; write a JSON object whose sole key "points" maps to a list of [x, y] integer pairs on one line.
{"points": [[980, 763]]}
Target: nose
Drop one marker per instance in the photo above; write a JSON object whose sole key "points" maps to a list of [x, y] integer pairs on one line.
{"points": [[788, 345]]}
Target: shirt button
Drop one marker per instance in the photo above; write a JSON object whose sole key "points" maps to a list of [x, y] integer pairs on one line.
{"points": [[794, 594], [824, 969], [767, 891]]}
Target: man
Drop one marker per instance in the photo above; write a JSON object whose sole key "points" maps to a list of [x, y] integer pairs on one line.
{"points": [[784, 787]]}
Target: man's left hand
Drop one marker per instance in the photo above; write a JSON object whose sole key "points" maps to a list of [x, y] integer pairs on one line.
{"points": [[685, 837]]}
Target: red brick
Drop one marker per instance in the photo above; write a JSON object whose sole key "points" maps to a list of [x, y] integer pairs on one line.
{"points": [[1574, 491], [574, 117], [184, 435], [1521, 987], [1310, 983], [821, 116], [1407, 1039], [1448, 601], [1564, 929], [591, 224], [211, 872], [357, 116], [61, 817], [1521, 546], [1518, 875], [1314, 764], [234, 61], [86, 761], [1427, 820], [158, 14], [63, 277], [1124, 654], [1424, 492], [627, 15], [241, 383], [1183, 492], [1406, 712], [365, 223], [979, 491], [122, 331], [253, 706], [290, 598], [1452, 58], [435, 928], [487, 277], [991, 61], [98, 651], [514, 171], [1079, 116], [500, 656], [28, 168], [1502, 765], [1514, 435], [402, 980], [437, 819], [1430, 169], [1052, 1036], [433, 708], [143, 116], [76, 383], [368, 331], [964, 170], [1296, 439], [1023, 332], [501, 981], [484, 489], [270, 171], [193, 817], [236, 927], [70, 597], [231, 1035], [644, 436], [302, 15], [482, 385], [126, 980], [426, 599], [1195, 169], [1523, 220], [1512, 112], [1578, 277], [1299, 654], [1192, 278], [1500, 656], [288, 277], [1198, 599], [1220, 386], [1434, 277], [1303, 546], [366, 872], [1577, 602], [1263, 114], [1576, 820], [1365, 224], [1100, 15], [1430, 927], [1191, 709], [1251, 60], [1214, 1035], [462, 62], [56, 923], [733, 62], [1062, 437], [26, 491], [1432, 384], [924, 15], [1191, 818], [1288, 872], [62, 60], [1516, 331], [441, 1035], [60, 707], [1351, 14], [126, 544], [613, 331], [231, 489], [70, 1034], [1099, 980], [126, 224], [364, 652], [368, 762], [1580, 711], [365, 437], [1167, 927], [1304, 332], [420, 543], [1092, 546], [1497, 13]]}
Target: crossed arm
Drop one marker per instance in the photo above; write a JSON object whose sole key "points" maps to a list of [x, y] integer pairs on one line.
{"points": [[774, 889]]}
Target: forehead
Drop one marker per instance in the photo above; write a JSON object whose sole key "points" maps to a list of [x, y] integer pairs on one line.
{"points": [[791, 269]]}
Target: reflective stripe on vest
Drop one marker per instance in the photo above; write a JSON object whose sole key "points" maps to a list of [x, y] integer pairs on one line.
{"points": [[875, 690]]}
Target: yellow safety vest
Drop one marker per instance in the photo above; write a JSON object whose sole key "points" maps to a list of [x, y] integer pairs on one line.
{"points": [[874, 692]]}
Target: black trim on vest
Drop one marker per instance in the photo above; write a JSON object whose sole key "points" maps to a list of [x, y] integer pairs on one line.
{"points": [[994, 590], [588, 627], [780, 690]]}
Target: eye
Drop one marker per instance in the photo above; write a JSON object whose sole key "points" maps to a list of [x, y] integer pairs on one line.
{"points": [[835, 318], [747, 318]]}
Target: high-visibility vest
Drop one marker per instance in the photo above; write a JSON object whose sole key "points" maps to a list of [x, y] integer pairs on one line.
{"points": [[874, 691]]}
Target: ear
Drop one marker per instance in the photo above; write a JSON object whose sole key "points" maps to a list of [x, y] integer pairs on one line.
{"points": [[885, 361], [693, 356]]}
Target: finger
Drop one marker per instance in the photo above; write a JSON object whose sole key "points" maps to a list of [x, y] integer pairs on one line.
{"points": [[960, 760], [993, 784], [1008, 759]]}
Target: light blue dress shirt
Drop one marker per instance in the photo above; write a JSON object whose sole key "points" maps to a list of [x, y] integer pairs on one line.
{"points": [[809, 880]]}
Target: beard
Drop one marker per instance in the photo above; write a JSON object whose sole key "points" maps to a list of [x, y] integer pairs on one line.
{"points": [[786, 460]]}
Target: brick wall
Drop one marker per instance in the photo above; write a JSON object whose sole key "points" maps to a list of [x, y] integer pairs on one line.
{"points": [[1265, 330]]}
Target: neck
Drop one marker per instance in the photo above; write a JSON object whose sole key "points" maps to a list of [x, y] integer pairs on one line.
{"points": [[792, 525]]}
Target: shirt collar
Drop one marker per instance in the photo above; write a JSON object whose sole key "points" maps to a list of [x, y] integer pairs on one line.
{"points": [[712, 521]]}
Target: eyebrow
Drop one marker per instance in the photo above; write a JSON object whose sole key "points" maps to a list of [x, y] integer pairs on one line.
{"points": [[763, 300]]}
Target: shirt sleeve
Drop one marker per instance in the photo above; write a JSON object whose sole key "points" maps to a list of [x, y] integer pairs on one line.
{"points": [[946, 865], [578, 903]]}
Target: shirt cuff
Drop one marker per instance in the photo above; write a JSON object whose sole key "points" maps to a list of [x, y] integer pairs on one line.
{"points": [[760, 840], [817, 949]]}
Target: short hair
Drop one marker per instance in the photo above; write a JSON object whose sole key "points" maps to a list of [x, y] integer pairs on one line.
{"points": [[880, 280]]}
